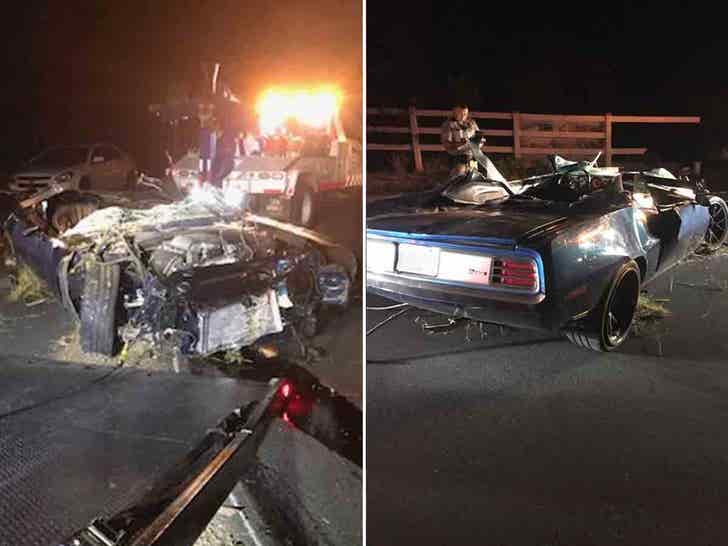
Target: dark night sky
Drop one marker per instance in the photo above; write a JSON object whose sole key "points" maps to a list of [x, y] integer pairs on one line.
{"points": [[651, 58], [78, 70], [536, 56], [87, 69]]}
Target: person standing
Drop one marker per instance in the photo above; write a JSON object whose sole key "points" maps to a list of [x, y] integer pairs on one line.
{"points": [[224, 160], [208, 138], [455, 133]]}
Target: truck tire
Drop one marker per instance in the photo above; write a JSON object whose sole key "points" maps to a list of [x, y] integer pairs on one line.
{"points": [[610, 323], [98, 308], [717, 233], [304, 206]]}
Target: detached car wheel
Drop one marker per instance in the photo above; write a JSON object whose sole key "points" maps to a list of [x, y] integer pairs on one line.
{"points": [[68, 209], [98, 308], [304, 206], [67, 215], [608, 325], [717, 233]]}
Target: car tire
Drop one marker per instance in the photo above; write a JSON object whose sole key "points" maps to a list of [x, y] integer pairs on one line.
{"points": [[717, 233], [304, 206], [610, 323], [98, 308], [65, 214]]}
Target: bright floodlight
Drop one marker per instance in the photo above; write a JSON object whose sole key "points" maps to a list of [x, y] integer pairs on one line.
{"points": [[314, 108]]}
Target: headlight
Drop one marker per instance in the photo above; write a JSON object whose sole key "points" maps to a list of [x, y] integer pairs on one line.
{"points": [[64, 177]]}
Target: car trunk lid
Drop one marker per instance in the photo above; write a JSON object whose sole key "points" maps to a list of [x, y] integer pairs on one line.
{"points": [[499, 227]]}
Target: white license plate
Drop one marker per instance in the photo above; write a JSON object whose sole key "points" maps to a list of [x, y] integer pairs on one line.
{"points": [[418, 259], [464, 267], [380, 256]]}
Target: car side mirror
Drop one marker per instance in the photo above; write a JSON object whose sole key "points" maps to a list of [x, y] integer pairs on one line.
{"points": [[98, 159]]}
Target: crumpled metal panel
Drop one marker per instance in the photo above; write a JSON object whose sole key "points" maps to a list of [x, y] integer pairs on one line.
{"points": [[238, 325]]}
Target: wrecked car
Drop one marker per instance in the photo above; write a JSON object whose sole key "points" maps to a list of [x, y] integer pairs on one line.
{"points": [[200, 273], [567, 251]]}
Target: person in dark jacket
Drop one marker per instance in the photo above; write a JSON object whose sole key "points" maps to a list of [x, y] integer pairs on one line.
{"points": [[224, 161]]}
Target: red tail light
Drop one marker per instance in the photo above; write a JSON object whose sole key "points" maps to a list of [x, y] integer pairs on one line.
{"points": [[518, 273]]}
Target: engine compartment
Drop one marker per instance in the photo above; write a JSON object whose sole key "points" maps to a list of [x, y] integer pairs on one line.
{"points": [[195, 273], [219, 288]]}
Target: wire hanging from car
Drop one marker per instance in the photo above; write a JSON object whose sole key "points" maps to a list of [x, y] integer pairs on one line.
{"points": [[387, 320], [388, 307]]}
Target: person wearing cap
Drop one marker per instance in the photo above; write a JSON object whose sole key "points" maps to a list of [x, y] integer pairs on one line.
{"points": [[455, 133]]}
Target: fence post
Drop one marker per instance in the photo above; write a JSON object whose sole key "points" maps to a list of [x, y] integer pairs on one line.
{"points": [[517, 134], [608, 138], [416, 150]]}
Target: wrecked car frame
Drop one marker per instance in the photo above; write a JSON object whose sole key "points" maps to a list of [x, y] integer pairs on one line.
{"points": [[207, 276], [569, 252]]}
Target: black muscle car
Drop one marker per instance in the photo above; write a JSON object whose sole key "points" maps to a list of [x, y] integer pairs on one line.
{"points": [[567, 251]]}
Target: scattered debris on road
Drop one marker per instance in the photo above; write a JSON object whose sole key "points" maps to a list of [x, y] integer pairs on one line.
{"points": [[649, 316], [28, 288]]}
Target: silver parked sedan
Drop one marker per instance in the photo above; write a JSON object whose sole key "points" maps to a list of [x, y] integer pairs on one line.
{"points": [[96, 167]]}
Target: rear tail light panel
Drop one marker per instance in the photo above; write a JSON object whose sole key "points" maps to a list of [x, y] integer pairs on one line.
{"points": [[517, 271], [520, 273]]}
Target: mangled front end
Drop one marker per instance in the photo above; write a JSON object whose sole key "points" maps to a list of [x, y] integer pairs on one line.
{"points": [[206, 280]]}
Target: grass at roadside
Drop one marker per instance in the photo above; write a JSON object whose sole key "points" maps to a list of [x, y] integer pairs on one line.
{"points": [[28, 287]]}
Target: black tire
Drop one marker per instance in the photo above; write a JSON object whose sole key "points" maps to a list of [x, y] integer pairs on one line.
{"points": [[610, 323], [66, 214], [304, 206], [98, 308], [717, 233]]}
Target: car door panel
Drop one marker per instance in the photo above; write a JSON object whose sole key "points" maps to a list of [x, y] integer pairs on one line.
{"points": [[97, 170], [118, 169]]}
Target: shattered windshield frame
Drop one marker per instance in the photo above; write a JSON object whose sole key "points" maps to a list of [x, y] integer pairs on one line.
{"points": [[570, 182]]}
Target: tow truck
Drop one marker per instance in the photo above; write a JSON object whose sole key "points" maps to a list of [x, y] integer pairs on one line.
{"points": [[287, 183]]}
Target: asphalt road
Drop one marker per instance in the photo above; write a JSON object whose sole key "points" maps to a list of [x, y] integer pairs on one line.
{"points": [[522, 438]]}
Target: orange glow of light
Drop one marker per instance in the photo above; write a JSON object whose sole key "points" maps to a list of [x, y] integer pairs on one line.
{"points": [[312, 107]]}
